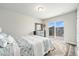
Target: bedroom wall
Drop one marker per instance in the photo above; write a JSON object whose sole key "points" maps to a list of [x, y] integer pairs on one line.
{"points": [[15, 23], [70, 20], [78, 30]]}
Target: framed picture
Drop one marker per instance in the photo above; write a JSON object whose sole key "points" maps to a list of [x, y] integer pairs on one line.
{"points": [[38, 26]]}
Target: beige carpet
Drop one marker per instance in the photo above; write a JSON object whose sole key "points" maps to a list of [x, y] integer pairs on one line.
{"points": [[60, 47]]}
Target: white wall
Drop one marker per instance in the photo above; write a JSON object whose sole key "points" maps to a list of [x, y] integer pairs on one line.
{"points": [[69, 27], [16, 23], [78, 30]]}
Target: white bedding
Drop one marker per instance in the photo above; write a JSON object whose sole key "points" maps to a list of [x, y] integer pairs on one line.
{"points": [[27, 46], [34, 45], [11, 48]]}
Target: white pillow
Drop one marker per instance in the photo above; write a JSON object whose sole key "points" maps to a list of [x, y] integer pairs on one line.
{"points": [[3, 35], [3, 42], [4, 39], [10, 39]]}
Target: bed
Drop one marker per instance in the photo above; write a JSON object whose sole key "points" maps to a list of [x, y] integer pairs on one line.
{"points": [[34, 45], [8, 46], [29, 45]]}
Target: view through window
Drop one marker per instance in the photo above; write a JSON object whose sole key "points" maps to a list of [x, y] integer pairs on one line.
{"points": [[56, 28]]}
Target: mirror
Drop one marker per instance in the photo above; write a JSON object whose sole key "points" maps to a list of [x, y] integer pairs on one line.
{"points": [[38, 26]]}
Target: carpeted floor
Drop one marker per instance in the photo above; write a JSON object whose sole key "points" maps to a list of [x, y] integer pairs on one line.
{"points": [[60, 47]]}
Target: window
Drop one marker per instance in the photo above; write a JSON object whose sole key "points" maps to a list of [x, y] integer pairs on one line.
{"points": [[56, 28]]}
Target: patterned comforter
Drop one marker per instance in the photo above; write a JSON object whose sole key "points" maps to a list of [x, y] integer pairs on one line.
{"points": [[10, 50], [34, 45]]}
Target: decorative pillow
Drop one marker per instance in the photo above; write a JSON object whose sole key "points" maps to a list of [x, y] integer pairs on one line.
{"points": [[10, 39], [3, 35], [3, 40]]}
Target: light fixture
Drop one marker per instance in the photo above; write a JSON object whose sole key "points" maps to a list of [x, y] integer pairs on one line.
{"points": [[40, 8]]}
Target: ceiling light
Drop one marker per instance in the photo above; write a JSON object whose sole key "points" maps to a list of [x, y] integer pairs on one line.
{"points": [[40, 8]]}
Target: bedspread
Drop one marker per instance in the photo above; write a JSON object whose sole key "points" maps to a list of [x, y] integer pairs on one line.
{"points": [[10, 50], [34, 45]]}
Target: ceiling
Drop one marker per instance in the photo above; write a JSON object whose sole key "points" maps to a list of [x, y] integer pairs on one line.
{"points": [[51, 9]]}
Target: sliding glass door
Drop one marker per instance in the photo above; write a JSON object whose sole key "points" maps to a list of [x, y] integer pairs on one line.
{"points": [[59, 28], [56, 28], [51, 28]]}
